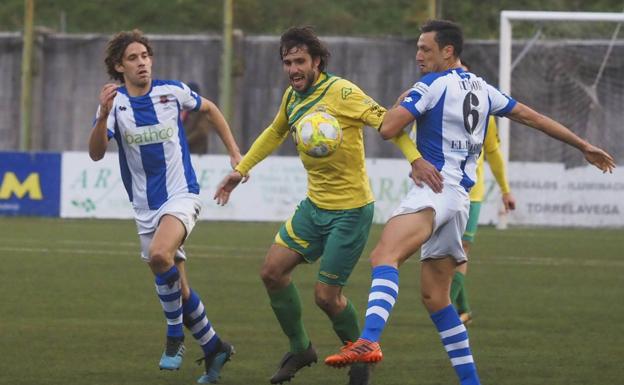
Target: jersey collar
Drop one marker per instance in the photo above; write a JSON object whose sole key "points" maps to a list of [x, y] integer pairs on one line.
{"points": [[323, 77]]}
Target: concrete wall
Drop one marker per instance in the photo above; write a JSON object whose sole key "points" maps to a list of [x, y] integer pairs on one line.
{"points": [[69, 71]]}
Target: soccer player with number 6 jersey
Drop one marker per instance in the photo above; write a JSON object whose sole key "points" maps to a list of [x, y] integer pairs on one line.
{"points": [[451, 107], [143, 115]]}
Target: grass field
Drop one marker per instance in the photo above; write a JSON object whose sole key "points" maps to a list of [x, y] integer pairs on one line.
{"points": [[78, 307]]}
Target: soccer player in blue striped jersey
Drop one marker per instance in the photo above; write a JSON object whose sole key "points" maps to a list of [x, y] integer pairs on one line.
{"points": [[451, 107], [143, 115]]}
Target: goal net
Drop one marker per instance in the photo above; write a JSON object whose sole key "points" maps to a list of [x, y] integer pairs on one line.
{"points": [[569, 66]]}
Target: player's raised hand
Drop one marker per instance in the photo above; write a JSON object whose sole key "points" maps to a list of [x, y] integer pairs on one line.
{"points": [[599, 158], [424, 172], [509, 202], [227, 185], [107, 94]]}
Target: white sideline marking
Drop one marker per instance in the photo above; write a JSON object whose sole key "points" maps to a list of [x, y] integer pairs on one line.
{"points": [[259, 252]]}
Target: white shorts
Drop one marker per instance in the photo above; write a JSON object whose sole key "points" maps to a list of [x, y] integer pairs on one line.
{"points": [[451, 208], [185, 207]]}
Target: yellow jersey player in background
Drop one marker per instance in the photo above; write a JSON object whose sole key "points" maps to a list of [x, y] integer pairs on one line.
{"points": [[332, 223], [492, 153]]}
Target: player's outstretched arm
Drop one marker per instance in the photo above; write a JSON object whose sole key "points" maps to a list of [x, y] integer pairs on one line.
{"points": [[223, 130], [98, 139], [227, 185], [594, 155]]}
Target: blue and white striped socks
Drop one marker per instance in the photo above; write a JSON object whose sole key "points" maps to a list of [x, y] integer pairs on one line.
{"points": [[195, 319], [455, 339], [170, 295], [383, 294]]}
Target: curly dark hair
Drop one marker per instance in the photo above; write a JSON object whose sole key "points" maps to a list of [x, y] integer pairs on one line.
{"points": [[447, 33], [304, 36], [116, 47]]}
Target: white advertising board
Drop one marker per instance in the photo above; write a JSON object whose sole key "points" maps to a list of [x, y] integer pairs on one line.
{"points": [[546, 193], [551, 195]]}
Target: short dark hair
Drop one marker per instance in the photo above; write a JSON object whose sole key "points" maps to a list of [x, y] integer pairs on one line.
{"points": [[304, 36], [447, 33], [116, 47]]}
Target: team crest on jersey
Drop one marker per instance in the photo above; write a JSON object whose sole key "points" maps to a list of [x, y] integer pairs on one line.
{"points": [[346, 91], [164, 99], [321, 108]]}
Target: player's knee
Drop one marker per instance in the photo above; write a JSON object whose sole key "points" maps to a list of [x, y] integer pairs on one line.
{"points": [[382, 255], [427, 300], [327, 302], [159, 259], [433, 301], [271, 278]]}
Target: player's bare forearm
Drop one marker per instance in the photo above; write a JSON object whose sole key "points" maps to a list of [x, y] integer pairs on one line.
{"points": [[98, 139], [529, 117], [394, 121], [222, 127], [594, 155]]}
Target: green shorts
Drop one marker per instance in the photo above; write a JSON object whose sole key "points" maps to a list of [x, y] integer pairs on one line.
{"points": [[473, 222], [337, 237]]}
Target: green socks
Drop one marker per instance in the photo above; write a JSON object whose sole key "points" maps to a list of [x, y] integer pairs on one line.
{"points": [[286, 305], [345, 324], [459, 298]]}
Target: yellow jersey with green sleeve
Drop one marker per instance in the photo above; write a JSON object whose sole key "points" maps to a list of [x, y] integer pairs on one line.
{"points": [[338, 181], [491, 151]]}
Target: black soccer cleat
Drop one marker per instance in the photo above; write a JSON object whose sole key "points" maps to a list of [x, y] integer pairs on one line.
{"points": [[292, 363], [360, 374]]}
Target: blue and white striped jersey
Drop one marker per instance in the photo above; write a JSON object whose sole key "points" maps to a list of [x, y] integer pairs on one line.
{"points": [[451, 110], [153, 153]]}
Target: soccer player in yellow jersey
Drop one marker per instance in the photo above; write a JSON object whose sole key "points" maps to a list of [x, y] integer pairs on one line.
{"points": [[333, 222], [492, 153]]}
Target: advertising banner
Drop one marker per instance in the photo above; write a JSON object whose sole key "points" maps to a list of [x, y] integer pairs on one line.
{"points": [[546, 193], [93, 189], [549, 194], [30, 183]]}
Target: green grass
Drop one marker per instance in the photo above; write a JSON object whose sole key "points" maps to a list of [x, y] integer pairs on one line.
{"points": [[78, 307]]}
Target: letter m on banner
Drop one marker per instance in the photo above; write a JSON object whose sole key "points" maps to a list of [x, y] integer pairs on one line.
{"points": [[12, 186], [30, 183]]}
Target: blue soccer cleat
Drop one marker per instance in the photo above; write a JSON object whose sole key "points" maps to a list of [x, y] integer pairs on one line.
{"points": [[172, 356], [214, 363]]}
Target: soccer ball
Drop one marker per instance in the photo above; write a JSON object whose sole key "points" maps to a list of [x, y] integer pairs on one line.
{"points": [[318, 134]]}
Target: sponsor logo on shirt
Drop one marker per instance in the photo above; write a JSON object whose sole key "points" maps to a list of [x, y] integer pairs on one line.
{"points": [[157, 133], [466, 146]]}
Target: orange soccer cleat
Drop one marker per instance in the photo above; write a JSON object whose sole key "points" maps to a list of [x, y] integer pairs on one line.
{"points": [[359, 351]]}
